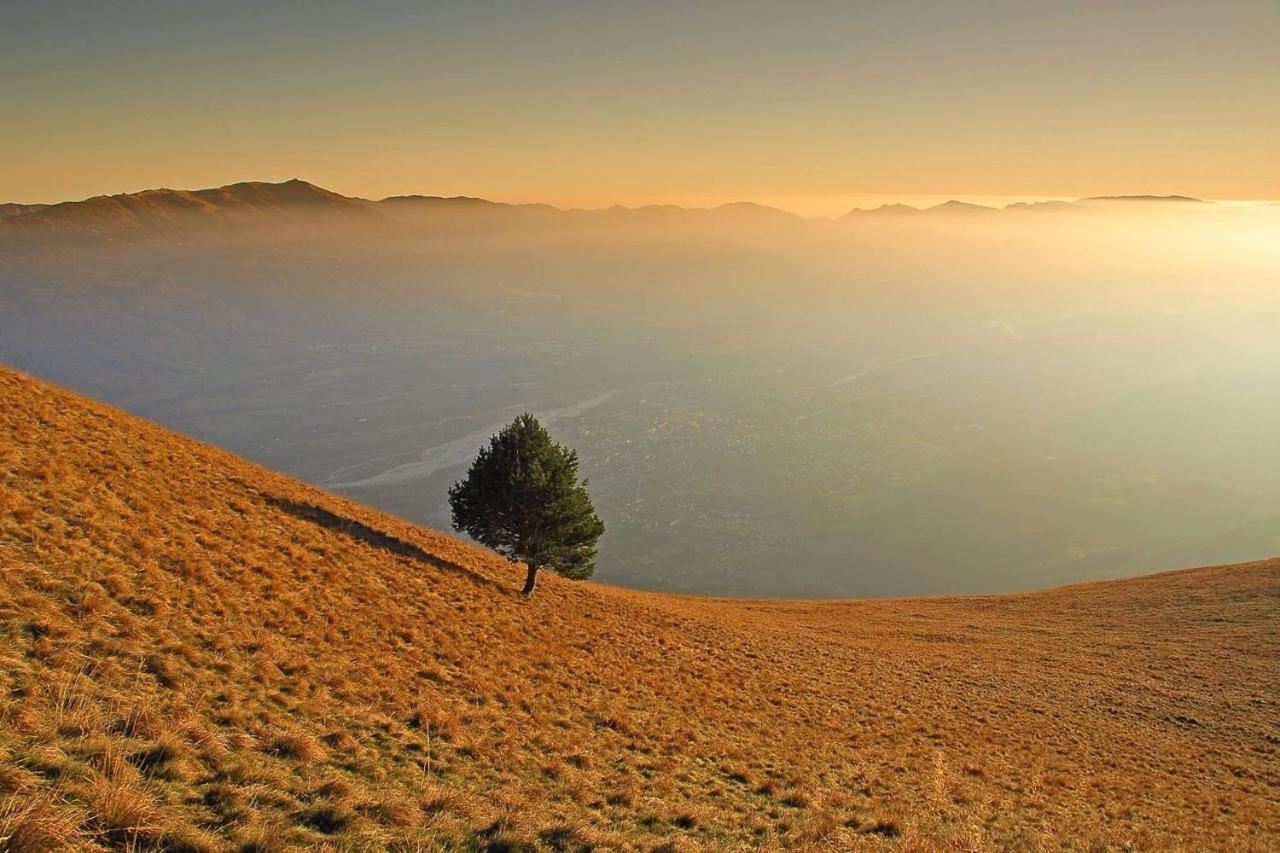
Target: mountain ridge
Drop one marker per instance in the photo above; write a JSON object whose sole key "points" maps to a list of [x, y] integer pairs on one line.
{"points": [[11, 209], [955, 206], [1159, 199], [168, 211], [296, 201]]}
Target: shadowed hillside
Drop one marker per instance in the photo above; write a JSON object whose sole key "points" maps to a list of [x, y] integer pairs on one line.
{"points": [[200, 654]]}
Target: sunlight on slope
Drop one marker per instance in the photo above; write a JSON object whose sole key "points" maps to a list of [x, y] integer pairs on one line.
{"points": [[201, 654]]}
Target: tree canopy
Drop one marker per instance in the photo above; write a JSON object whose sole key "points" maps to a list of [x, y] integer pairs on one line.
{"points": [[522, 498]]}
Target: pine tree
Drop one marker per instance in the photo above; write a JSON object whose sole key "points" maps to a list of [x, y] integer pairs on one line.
{"points": [[522, 498]]}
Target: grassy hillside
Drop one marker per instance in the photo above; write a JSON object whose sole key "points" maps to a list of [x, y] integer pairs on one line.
{"points": [[199, 654]]}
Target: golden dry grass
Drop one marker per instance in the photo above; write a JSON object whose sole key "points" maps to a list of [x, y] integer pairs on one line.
{"points": [[198, 654]]}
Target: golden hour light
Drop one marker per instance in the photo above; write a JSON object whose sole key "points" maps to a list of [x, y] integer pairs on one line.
{"points": [[639, 426]]}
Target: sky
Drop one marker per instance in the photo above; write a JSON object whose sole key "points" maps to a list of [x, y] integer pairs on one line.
{"points": [[812, 106]]}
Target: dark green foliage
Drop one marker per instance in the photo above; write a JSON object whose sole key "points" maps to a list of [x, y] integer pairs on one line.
{"points": [[522, 498]]}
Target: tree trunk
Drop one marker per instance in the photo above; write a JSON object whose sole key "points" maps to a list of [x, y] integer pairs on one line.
{"points": [[529, 580]]}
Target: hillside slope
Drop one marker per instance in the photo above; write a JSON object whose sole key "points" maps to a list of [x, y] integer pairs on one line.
{"points": [[198, 653]]}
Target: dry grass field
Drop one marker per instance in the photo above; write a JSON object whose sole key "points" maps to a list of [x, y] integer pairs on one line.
{"points": [[199, 654]]}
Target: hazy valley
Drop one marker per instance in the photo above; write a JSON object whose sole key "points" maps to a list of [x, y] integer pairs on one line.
{"points": [[953, 400], [520, 427]]}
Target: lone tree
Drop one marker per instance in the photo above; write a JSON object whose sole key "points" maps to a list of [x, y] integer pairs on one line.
{"points": [[522, 498]]}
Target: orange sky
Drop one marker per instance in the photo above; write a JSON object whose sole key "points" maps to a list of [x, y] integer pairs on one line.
{"points": [[815, 107]]}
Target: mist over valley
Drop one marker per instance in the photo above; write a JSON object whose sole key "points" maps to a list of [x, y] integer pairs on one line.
{"points": [[952, 401]]}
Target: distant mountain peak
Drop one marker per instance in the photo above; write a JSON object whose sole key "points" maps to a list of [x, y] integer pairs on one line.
{"points": [[159, 211], [956, 206], [886, 209], [293, 190], [1169, 199], [455, 200]]}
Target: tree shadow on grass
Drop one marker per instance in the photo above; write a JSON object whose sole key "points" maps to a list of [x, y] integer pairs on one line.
{"points": [[364, 533]]}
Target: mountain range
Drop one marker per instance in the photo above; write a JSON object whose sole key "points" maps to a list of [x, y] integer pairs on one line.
{"points": [[297, 203]]}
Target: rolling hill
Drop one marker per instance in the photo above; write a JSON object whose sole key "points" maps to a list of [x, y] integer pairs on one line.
{"points": [[200, 654]]}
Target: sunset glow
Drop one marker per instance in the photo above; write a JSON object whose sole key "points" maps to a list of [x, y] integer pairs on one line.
{"points": [[813, 107], [639, 425]]}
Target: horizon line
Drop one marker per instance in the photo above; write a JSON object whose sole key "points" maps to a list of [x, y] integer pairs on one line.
{"points": [[711, 201]]}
